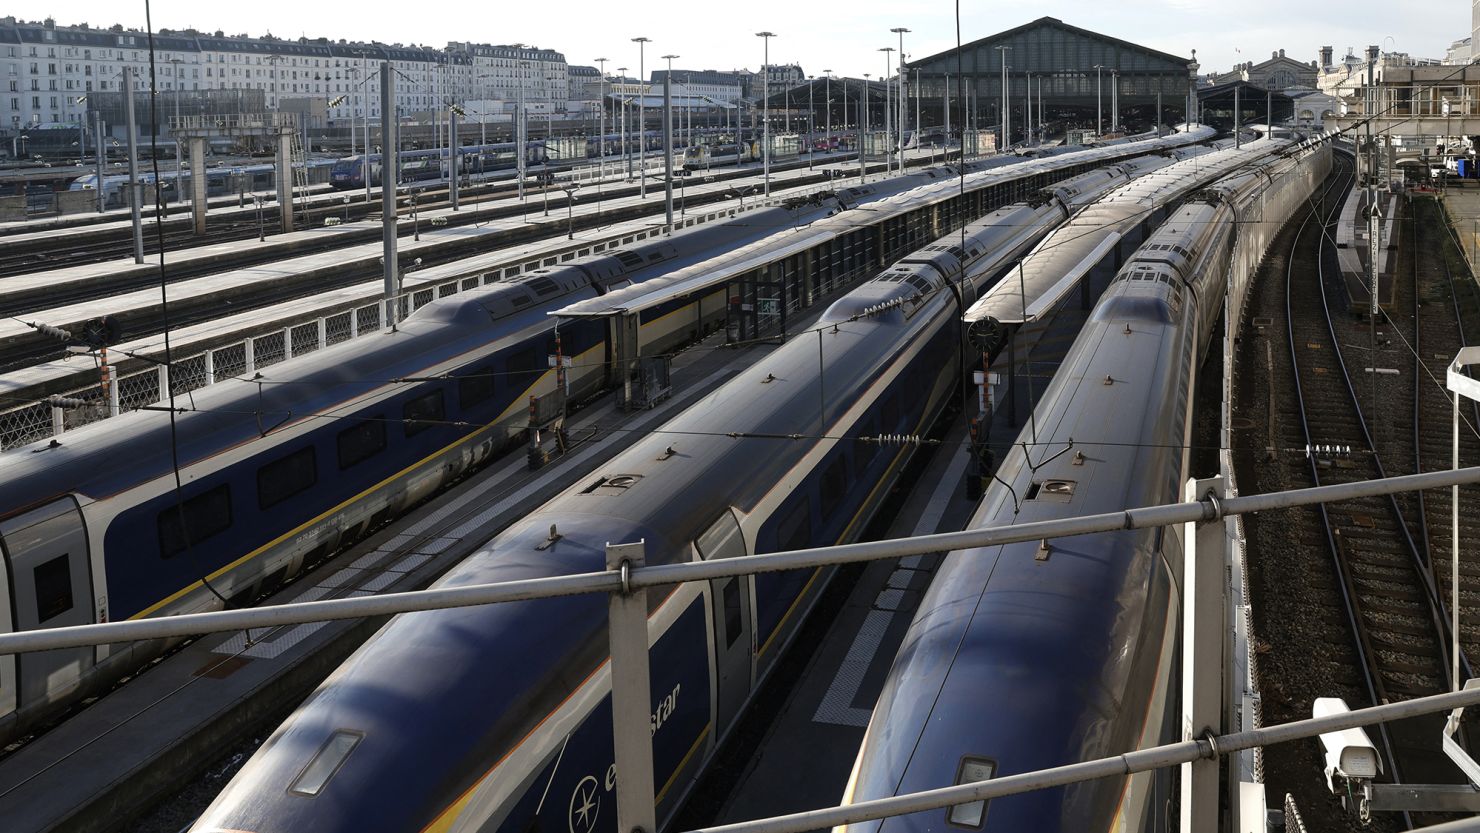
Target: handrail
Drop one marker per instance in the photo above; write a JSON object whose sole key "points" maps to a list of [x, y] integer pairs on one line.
{"points": [[613, 581]]}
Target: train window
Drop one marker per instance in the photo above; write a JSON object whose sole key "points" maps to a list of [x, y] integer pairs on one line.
{"points": [[734, 621], [834, 486], [523, 367], [423, 412], [889, 413], [325, 763], [204, 515], [795, 530], [285, 477], [973, 814], [722, 540], [362, 441], [475, 388], [53, 580]]}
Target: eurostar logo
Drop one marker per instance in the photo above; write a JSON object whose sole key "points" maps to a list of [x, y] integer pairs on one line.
{"points": [[585, 806]]}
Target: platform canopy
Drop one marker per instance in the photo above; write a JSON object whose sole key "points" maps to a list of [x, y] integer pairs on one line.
{"points": [[1256, 103], [1062, 60]]}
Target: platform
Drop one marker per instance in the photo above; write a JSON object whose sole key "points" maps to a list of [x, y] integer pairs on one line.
{"points": [[1462, 201]]}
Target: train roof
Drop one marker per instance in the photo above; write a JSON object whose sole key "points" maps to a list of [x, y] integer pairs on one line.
{"points": [[1056, 265], [897, 195]]}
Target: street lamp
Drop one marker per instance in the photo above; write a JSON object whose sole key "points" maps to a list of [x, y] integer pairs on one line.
{"points": [[888, 109], [1099, 102], [903, 110], [626, 147], [669, 80], [570, 190], [766, 111], [1114, 101], [1004, 117], [179, 165], [827, 73], [520, 140], [601, 135], [642, 140]]}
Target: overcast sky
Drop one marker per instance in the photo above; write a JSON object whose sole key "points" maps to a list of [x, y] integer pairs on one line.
{"points": [[841, 36]]}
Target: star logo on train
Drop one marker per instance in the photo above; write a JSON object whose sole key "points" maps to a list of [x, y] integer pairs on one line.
{"points": [[585, 805]]}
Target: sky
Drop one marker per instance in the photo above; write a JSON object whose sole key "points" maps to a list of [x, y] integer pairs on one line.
{"points": [[843, 37]]}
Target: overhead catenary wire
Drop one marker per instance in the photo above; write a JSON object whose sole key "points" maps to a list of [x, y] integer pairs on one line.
{"points": [[179, 487]]}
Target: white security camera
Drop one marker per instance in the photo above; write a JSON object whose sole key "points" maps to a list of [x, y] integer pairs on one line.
{"points": [[1352, 761]]}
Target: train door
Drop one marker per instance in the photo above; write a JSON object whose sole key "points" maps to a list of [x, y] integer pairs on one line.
{"points": [[45, 553], [733, 620]]}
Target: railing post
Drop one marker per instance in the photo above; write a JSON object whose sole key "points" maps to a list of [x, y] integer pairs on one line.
{"points": [[323, 334], [287, 343], [354, 323], [57, 423], [249, 355], [164, 383], [210, 367], [112, 391], [627, 632], [1203, 626]]}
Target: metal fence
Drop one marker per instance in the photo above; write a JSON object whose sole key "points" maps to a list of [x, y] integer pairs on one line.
{"points": [[139, 388]]}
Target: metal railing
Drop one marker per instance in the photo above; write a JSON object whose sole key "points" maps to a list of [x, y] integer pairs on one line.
{"points": [[626, 581]]}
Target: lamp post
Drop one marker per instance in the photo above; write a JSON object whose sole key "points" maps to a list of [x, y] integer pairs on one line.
{"points": [[1114, 101], [903, 111], [1006, 122], [827, 91], [888, 109], [863, 108], [364, 62], [179, 165], [519, 128], [669, 59], [570, 189], [622, 131], [1028, 109], [641, 136], [1099, 102], [811, 124], [601, 135], [766, 110]]}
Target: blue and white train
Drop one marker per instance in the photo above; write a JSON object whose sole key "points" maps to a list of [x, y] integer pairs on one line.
{"points": [[499, 717], [89, 525], [220, 181], [1042, 654], [422, 165]]}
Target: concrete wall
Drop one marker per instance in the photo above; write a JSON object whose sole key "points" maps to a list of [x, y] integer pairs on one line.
{"points": [[12, 209], [73, 202]]}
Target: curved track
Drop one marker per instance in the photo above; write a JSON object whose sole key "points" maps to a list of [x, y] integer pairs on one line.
{"points": [[1372, 624]]}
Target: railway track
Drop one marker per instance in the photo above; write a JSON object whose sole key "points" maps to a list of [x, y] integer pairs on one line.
{"points": [[111, 244], [1359, 608]]}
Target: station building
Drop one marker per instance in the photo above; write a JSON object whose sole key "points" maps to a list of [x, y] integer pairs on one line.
{"points": [[1072, 69]]}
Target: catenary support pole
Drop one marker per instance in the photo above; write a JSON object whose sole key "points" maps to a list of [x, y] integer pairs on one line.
{"points": [[135, 191], [627, 635], [452, 158], [668, 151], [388, 167], [102, 152], [1203, 620]]}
